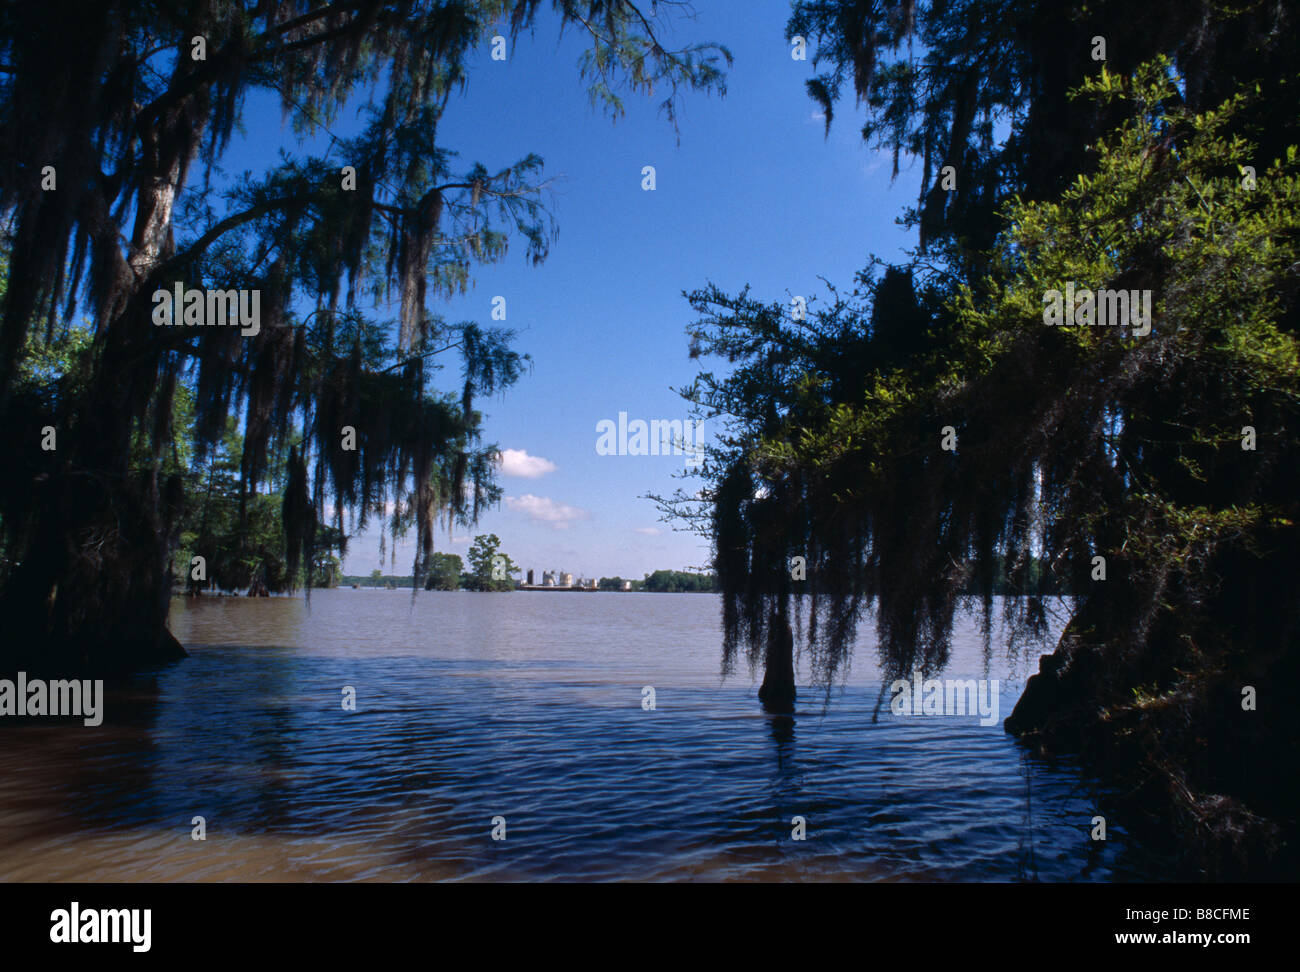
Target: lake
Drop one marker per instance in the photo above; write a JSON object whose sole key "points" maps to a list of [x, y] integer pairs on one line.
{"points": [[528, 707]]}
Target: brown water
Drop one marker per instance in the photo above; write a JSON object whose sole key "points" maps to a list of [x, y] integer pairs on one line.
{"points": [[528, 706]]}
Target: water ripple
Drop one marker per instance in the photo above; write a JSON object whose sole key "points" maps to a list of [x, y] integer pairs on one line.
{"points": [[535, 717]]}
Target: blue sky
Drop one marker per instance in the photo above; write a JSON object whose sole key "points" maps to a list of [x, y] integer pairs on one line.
{"points": [[753, 194]]}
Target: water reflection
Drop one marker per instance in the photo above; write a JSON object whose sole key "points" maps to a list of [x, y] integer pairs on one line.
{"points": [[529, 707]]}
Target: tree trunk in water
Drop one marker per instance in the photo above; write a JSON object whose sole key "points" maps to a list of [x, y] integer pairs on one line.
{"points": [[92, 596], [91, 593], [777, 693]]}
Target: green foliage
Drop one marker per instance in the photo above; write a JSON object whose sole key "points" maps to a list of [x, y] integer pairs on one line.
{"points": [[444, 573], [241, 535], [489, 568], [678, 581], [985, 86]]}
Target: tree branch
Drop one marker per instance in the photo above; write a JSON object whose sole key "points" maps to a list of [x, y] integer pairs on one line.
{"points": [[419, 357], [224, 226]]}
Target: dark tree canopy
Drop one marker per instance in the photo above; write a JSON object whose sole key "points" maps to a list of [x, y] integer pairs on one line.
{"points": [[984, 85]]}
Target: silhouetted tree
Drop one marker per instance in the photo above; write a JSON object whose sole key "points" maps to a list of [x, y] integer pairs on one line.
{"points": [[1069, 443], [114, 118]]}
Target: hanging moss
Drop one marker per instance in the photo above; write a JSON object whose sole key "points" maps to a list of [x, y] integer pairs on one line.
{"points": [[1070, 443], [110, 96]]}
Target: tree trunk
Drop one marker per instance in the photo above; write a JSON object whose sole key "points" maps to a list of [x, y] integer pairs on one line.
{"points": [[91, 593], [777, 693]]}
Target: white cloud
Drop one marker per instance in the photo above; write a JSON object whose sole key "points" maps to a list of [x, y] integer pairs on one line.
{"points": [[517, 462], [648, 531], [544, 510]]}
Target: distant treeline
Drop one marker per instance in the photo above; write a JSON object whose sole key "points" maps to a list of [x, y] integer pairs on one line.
{"points": [[1037, 580], [679, 581], [447, 577], [384, 580], [663, 582]]}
